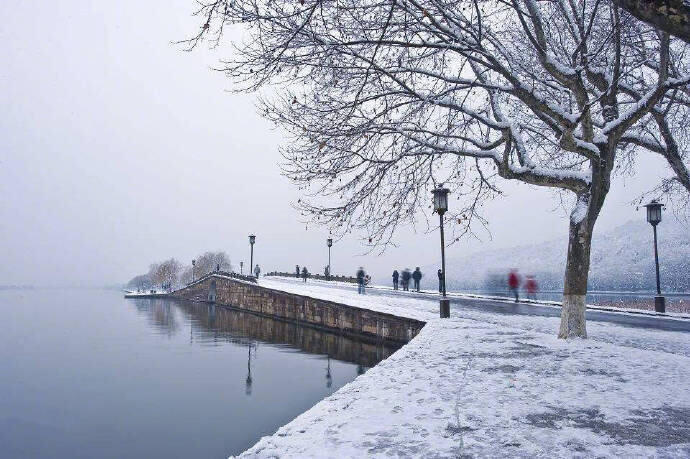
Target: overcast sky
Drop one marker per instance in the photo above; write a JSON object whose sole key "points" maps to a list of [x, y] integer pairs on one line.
{"points": [[118, 149]]}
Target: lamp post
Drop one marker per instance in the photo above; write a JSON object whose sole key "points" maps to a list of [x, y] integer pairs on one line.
{"points": [[329, 377], [654, 218], [440, 207], [252, 239], [329, 243], [248, 381], [193, 265]]}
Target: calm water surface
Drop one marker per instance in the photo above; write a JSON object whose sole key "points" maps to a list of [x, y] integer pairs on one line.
{"points": [[90, 374], [675, 302]]}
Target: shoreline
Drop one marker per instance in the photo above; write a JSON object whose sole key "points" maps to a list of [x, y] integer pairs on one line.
{"points": [[480, 384], [489, 385]]}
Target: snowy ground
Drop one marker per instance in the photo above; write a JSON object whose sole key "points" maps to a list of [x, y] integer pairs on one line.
{"points": [[613, 307], [488, 385], [427, 309]]}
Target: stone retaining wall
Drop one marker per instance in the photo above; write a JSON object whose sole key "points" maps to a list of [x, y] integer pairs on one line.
{"points": [[345, 319]]}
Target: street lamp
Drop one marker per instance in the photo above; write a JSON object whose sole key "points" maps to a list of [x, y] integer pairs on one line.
{"points": [[440, 207], [193, 265], [248, 382], [252, 239], [329, 243], [654, 218]]}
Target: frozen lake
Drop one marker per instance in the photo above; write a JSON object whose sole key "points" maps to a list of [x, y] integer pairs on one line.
{"points": [[86, 373]]}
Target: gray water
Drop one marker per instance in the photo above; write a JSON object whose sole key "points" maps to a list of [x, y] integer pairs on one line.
{"points": [[675, 302], [91, 374]]}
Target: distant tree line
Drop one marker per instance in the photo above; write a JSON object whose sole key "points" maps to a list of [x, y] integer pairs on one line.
{"points": [[170, 274]]}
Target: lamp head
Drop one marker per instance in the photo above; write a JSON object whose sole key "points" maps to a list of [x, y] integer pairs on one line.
{"points": [[440, 199], [654, 212]]}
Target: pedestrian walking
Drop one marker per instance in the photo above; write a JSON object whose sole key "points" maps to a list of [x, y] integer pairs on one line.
{"points": [[305, 273], [297, 271], [406, 275], [417, 276], [531, 287], [396, 276], [257, 271], [514, 283], [440, 281], [360, 281]]}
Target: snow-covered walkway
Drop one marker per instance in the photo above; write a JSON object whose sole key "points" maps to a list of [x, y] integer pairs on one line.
{"points": [[491, 385], [427, 309]]}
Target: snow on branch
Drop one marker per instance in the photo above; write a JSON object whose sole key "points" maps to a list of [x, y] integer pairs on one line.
{"points": [[382, 101]]}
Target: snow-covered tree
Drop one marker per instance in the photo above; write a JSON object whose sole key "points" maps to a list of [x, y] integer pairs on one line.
{"points": [[167, 273], [209, 261], [140, 282], [155, 274], [186, 275], [384, 100]]}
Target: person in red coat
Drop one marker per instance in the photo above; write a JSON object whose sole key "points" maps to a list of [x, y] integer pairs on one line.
{"points": [[531, 287], [514, 283]]}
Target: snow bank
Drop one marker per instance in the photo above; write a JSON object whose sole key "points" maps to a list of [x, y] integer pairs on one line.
{"points": [[465, 387], [491, 385]]}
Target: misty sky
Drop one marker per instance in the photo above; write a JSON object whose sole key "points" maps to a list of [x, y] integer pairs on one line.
{"points": [[118, 149]]}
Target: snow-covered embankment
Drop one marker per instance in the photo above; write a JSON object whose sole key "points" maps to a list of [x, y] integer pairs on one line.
{"points": [[490, 385]]}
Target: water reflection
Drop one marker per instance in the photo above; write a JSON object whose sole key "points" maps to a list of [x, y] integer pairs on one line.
{"points": [[211, 325], [248, 382], [675, 302], [90, 374], [160, 315]]}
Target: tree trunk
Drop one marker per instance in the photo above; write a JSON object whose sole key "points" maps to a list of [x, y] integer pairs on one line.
{"points": [[575, 283], [672, 16]]}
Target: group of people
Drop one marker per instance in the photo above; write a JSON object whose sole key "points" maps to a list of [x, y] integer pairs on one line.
{"points": [[403, 280], [304, 273], [530, 286], [416, 276], [399, 280], [363, 280]]}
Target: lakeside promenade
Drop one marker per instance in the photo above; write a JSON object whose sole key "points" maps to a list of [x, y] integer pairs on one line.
{"points": [[491, 384]]}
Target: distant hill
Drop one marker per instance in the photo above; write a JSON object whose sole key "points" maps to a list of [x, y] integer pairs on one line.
{"points": [[17, 287], [622, 259]]}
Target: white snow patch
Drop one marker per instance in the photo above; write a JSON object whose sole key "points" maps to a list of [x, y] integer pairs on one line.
{"points": [[492, 385], [580, 211], [466, 387]]}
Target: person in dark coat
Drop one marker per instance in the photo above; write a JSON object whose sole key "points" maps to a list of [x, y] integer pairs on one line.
{"points": [[360, 281], [417, 276], [297, 271], [305, 273], [395, 279], [440, 281], [406, 275]]}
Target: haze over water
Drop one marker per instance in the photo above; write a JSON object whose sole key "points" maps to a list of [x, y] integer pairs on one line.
{"points": [[90, 374]]}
